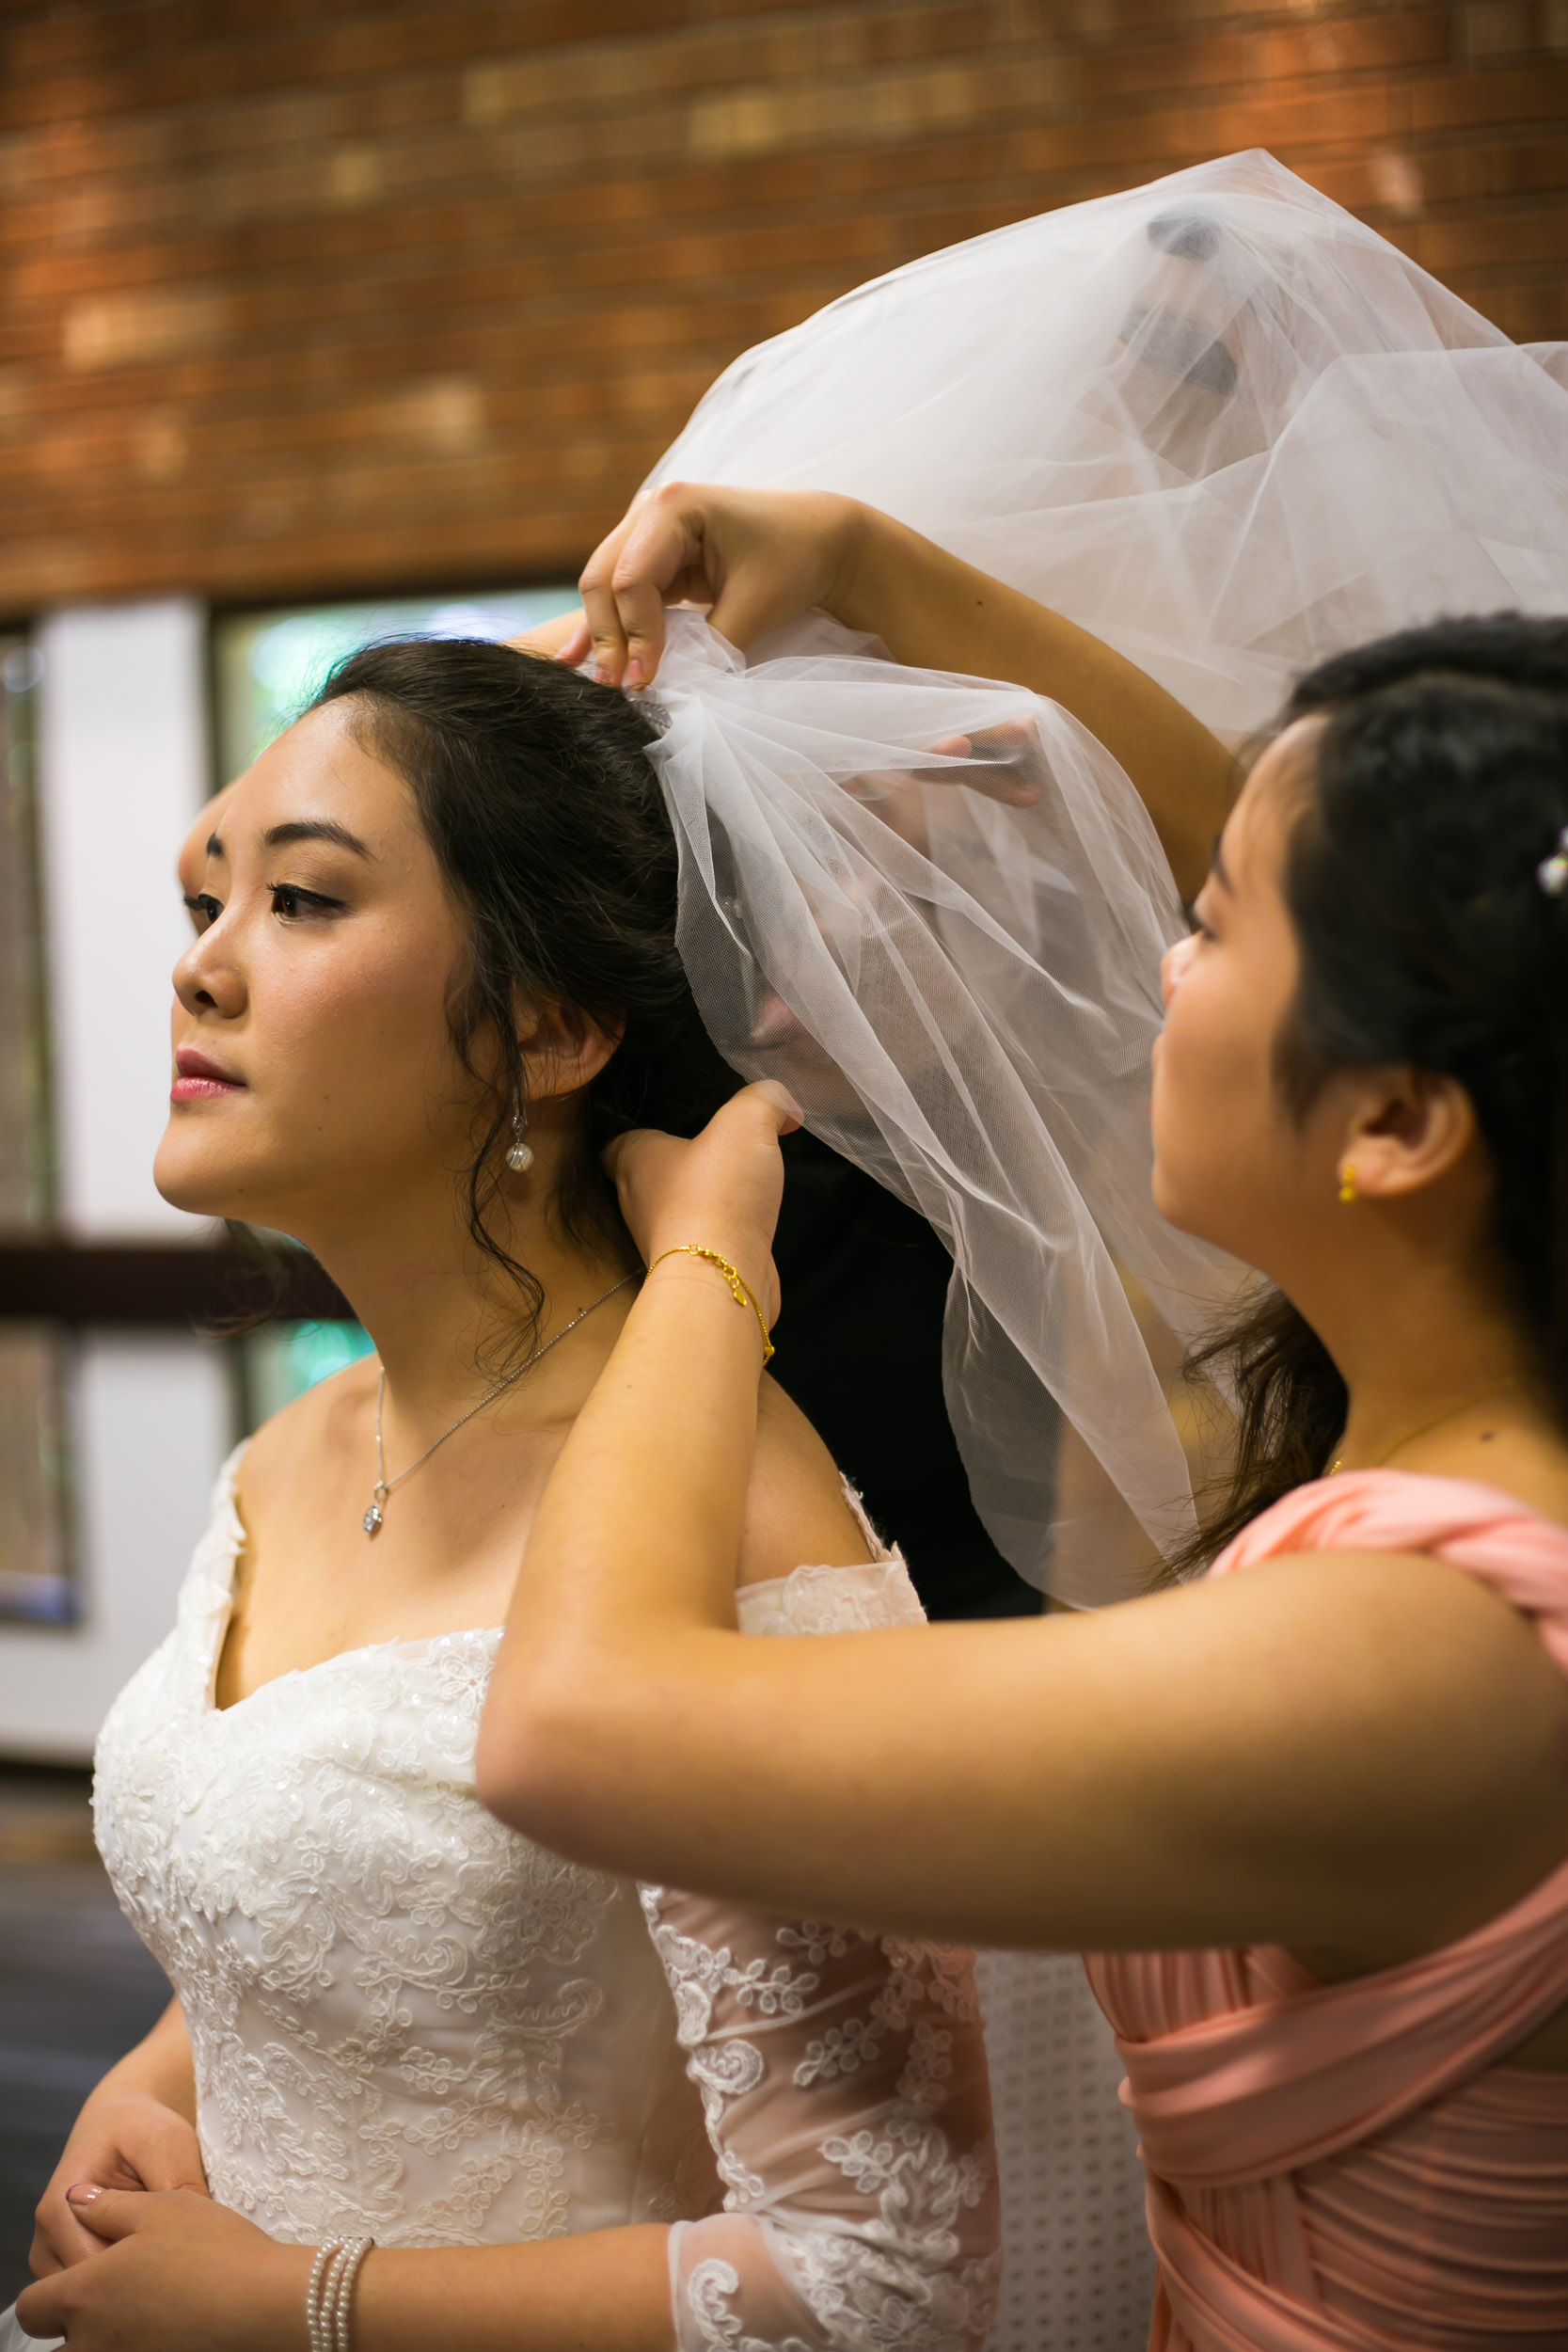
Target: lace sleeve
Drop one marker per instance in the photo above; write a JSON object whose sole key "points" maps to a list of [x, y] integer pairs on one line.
{"points": [[844, 2082]]}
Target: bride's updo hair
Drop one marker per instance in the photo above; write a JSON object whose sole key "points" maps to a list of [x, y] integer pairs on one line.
{"points": [[536, 793], [1437, 786]]}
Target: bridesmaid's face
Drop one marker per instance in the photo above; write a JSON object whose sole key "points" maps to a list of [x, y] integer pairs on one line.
{"points": [[1232, 1163], [316, 991]]}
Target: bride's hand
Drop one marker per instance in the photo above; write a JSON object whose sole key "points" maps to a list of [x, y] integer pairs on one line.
{"points": [[175, 2273], [134, 2143], [722, 1191], [756, 558]]}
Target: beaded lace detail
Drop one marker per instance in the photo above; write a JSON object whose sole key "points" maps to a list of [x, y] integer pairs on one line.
{"points": [[411, 2024]]}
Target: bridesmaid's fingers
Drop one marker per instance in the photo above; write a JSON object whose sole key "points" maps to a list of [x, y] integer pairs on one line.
{"points": [[574, 650], [545, 643], [598, 590], [661, 552], [999, 778]]}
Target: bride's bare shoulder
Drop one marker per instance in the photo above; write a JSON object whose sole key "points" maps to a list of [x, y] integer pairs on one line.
{"points": [[329, 1423], [796, 1512]]}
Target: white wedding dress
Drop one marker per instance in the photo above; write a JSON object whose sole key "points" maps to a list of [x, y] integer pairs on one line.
{"points": [[411, 2024]]}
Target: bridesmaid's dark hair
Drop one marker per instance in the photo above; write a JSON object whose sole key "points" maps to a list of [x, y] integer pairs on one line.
{"points": [[535, 790], [1438, 785]]}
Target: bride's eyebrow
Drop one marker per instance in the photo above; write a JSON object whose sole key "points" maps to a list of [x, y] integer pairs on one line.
{"points": [[314, 829]]}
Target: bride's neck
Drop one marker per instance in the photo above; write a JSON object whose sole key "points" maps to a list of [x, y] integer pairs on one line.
{"points": [[438, 1308]]}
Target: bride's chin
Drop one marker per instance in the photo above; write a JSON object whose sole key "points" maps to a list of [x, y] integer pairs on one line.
{"points": [[205, 1190]]}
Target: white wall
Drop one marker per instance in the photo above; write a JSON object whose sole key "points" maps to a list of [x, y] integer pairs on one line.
{"points": [[151, 1427], [122, 769]]}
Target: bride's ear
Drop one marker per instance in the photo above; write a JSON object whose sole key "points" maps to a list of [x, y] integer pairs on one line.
{"points": [[563, 1047]]}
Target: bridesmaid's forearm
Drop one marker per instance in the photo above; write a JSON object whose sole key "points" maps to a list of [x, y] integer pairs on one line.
{"points": [[638, 1532], [936, 612]]}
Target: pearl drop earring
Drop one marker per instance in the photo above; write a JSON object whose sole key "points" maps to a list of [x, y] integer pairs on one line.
{"points": [[519, 1157]]}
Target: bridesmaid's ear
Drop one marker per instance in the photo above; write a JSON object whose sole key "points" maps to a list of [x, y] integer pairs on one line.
{"points": [[1415, 1131]]}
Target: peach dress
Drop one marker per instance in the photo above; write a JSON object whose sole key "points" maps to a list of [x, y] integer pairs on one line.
{"points": [[1352, 2168]]}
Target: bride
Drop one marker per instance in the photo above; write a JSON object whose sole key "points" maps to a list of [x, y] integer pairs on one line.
{"points": [[435, 965]]}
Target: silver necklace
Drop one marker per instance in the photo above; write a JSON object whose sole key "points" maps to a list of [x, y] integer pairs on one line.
{"points": [[375, 1518]]}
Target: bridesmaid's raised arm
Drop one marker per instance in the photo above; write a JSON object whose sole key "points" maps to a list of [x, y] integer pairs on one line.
{"points": [[759, 558]]}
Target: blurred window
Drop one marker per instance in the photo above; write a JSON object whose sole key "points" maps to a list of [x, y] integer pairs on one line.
{"points": [[286, 1359], [36, 1556], [36, 1551], [24, 1154], [267, 666]]}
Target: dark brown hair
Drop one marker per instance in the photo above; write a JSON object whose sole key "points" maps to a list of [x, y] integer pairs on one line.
{"points": [[534, 788], [1438, 784]]}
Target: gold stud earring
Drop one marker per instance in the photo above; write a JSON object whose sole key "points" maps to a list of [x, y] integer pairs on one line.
{"points": [[1347, 1186]]}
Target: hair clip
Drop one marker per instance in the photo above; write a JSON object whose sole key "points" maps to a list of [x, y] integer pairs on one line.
{"points": [[1552, 872]]}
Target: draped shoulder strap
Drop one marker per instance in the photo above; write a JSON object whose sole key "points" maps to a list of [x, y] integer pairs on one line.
{"points": [[1480, 1529], [1284, 2073]]}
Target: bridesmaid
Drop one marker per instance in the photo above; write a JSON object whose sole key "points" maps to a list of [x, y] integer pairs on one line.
{"points": [[1310, 1812]]}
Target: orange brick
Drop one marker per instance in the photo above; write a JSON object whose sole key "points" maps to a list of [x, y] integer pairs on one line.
{"points": [[330, 327], [1505, 241], [1505, 94], [1491, 28]]}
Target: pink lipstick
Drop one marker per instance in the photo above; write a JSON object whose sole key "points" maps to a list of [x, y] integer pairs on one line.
{"points": [[200, 1080]]}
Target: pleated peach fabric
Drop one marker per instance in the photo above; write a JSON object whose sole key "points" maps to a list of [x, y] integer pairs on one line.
{"points": [[1353, 2168]]}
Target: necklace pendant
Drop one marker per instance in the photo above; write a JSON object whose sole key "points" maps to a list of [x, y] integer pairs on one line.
{"points": [[373, 1521]]}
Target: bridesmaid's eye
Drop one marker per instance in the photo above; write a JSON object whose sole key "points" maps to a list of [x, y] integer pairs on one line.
{"points": [[204, 910]]}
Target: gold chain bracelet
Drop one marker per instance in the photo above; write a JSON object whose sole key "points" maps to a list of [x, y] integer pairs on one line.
{"points": [[740, 1290]]}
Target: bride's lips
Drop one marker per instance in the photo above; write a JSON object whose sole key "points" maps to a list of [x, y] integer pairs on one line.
{"points": [[200, 1080]]}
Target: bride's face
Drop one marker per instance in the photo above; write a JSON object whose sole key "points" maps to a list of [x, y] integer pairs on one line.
{"points": [[312, 1056], [1232, 1164]]}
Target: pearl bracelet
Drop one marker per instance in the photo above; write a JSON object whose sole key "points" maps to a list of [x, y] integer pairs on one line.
{"points": [[330, 2295]]}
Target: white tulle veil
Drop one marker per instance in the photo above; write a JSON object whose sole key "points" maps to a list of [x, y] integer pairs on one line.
{"points": [[1227, 427]]}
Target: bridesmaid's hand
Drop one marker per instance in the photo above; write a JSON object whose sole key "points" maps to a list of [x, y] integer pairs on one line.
{"points": [[132, 2143], [176, 2273], [722, 1190], [545, 643], [756, 558]]}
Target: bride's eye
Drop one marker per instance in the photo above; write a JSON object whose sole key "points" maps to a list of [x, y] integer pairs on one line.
{"points": [[205, 909], [294, 904]]}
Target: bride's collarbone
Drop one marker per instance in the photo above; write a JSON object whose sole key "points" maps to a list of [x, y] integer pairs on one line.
{"points": [[310, 1583]]}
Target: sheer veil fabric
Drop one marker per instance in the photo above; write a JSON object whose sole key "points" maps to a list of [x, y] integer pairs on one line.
{"points": [[1230, 430]]}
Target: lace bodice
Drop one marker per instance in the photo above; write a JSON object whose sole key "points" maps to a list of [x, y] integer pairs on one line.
{"points": [[410, 2023]]}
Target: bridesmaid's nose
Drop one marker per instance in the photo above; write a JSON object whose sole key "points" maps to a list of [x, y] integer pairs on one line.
{"points": [[1173, 966]]}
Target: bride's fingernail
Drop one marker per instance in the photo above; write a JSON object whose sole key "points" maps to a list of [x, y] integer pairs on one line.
{"points": [[84, 2193], [634, 675]]}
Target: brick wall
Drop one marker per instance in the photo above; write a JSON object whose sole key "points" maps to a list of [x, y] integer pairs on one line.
{"points": [[309, 296]]}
